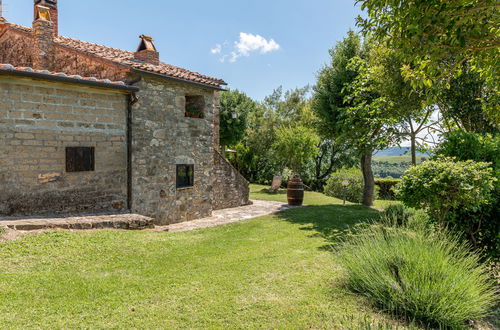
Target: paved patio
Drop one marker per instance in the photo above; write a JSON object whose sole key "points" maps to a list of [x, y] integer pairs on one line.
{"points": [[222, 217], [139, 222]]}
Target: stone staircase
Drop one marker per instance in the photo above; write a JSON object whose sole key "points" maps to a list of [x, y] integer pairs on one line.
{"points": [[230, 188]]}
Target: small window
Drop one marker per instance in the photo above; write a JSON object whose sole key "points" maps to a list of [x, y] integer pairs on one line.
{"points": [[185, 176], [80, 159], [195, 106]]}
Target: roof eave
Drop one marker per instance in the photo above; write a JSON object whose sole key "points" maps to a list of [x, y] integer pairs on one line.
{"points": [[43, 76], [179, 80]]}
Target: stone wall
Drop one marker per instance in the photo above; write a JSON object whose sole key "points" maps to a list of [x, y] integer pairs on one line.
{"points": [[230, 188], [72, 62], [16, 49], [38, 120], [162, 138]]}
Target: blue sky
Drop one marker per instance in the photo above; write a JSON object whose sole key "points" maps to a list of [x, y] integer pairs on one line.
{"points": [[264, 44]]}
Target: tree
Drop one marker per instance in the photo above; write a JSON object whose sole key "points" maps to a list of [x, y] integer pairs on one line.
{"points": [[295, 147], [331, 156], [462, 104], [409, 103], [254, 156], [436, 37], [234, 109], [349, 107], [283, 112]]}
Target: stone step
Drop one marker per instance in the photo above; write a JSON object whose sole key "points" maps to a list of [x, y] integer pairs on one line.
{"points": [[114, 221]]}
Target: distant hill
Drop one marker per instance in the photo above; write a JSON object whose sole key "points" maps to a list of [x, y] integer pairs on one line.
{"points": [[393, 162], [396, 151]]}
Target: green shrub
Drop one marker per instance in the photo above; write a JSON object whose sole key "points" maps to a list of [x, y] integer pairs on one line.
{"points": [[354, 191], [465, 146], [481, 227], [387, 188], [398, 214], [424, 275], [443, 185], [401, 215]]}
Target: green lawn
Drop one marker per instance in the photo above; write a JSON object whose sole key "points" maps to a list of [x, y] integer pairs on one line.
{"points": [[277, 271], [311, 198]]}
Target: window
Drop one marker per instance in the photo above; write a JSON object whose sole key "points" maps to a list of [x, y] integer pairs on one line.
{"points": [[80, 159], [195, 106], [185, 176]]}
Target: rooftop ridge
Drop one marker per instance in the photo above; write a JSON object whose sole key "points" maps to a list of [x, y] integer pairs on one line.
{"points": [[93, 43], [125, 57]]}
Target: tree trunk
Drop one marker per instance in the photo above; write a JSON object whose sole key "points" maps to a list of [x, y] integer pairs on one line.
{"points": [[413, 149], [369, 187]]}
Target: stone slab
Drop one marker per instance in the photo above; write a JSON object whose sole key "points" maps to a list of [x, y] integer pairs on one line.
{"points": [[113, 221]]}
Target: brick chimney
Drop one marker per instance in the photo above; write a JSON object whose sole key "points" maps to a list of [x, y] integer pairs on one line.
{"points": [[43, 37], [147, 51], [52, 5]]}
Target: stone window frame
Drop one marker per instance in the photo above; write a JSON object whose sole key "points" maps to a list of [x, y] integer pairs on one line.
{"points": [[182, 184]]}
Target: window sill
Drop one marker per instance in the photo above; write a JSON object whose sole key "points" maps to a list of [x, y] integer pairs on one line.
{"points": [[194, 116], [184, 188]]}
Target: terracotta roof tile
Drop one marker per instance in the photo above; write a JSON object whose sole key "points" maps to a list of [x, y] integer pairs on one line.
{"points": [[9, 67], [126, 58], [19, 27]]}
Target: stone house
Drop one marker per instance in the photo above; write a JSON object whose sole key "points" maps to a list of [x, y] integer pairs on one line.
{"points": [[90, 128]]}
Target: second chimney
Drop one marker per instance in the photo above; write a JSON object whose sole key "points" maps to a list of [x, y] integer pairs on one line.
{"points": [[43, 39], [146, 51], [52, 6]]}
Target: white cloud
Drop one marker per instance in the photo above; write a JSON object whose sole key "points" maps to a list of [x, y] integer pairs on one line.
{"points": [[246, 45], [249, 43], [217, 49]]}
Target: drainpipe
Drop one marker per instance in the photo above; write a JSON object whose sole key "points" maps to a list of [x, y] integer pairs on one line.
{"points": [[132, 99]]}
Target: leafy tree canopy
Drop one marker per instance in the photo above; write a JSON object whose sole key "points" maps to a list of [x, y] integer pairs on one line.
{"points": [[462, 104], [347, 100], [437, 36], [295, 147], [234, 109]]}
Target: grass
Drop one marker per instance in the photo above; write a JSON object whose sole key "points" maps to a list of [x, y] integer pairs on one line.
{"points": [[275, 271], [311, 198]]}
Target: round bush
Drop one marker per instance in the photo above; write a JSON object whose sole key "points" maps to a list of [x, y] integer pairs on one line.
{"points": [[481, 227], [444, 185], [423, 275], [354, 191]]}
